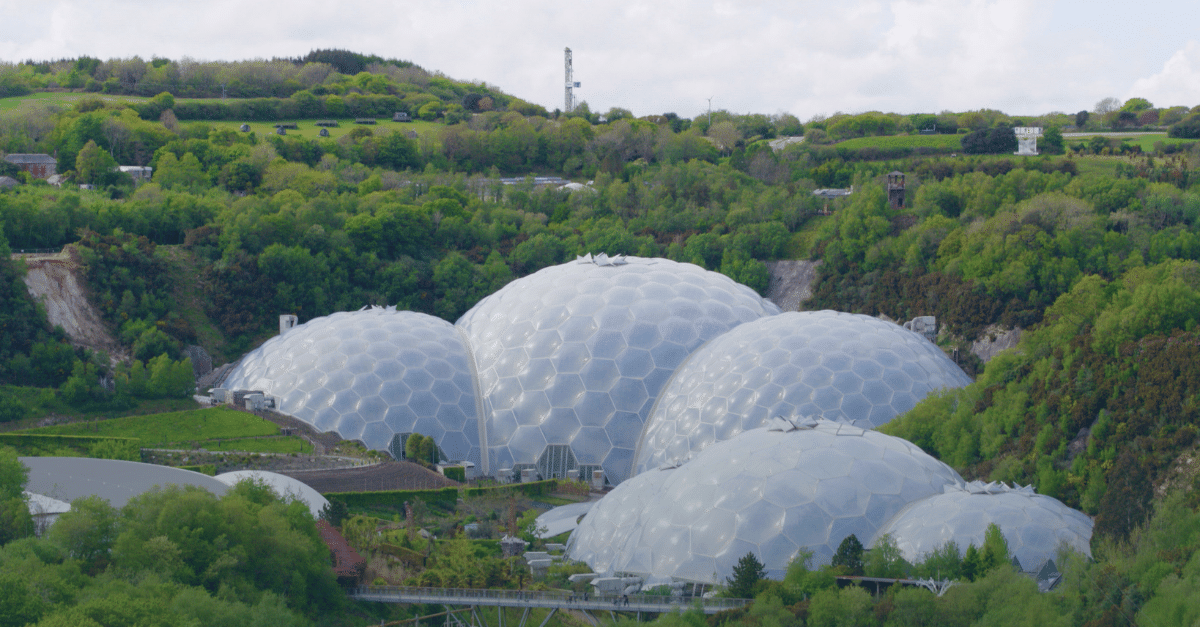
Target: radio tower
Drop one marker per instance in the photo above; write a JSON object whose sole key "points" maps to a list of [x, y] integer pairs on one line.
{"points": [[569, 98]]}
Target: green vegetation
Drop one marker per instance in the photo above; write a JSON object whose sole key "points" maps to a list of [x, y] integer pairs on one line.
{"points": [[173, 556], [45, 445], [1093, 253], [177, 430], [395, 499], [943, 142]]}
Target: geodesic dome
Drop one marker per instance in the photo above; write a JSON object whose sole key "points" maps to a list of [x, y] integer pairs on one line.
{"points": [[370, 375], [1034, 525], [802, 483], [571, 358], [839, 366]]}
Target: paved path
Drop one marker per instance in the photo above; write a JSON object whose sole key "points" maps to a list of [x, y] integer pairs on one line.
{"points": [[1115, 134]]}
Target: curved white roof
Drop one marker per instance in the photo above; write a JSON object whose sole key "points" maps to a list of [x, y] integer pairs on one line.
{"points": [[283, 485], [116, 481], [1034, 525], [771, 491], [372, 374], [563, 518], [839, 366], [576, 354]]}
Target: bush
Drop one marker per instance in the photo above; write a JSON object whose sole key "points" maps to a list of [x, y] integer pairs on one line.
{"points": [[1187, 128], [446, 497], [990, 141], [101, 447]]}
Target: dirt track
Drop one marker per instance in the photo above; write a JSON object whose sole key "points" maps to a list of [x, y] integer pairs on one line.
{"points": [[52, 280]]}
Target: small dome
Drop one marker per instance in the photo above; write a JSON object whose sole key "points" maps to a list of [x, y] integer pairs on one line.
{"points": [[839, 366], [369, 375], [283, 485], [1034, 525]]}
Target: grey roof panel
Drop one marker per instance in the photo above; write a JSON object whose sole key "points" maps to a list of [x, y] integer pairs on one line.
{"points": [[116, 481]]}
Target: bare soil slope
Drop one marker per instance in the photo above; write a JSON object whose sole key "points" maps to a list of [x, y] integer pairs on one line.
{"points": [[53, 280]]}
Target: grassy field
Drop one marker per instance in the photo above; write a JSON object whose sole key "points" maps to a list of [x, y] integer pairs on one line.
{"points": [[281, 444], [176, 429], [950, 142], [64, 98], [309, 130]]}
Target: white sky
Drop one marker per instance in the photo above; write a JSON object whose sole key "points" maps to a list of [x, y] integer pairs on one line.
{"points": [[800, 56]]}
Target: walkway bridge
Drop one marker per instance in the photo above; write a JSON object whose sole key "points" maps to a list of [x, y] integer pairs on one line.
{"points": [[525, 600]]}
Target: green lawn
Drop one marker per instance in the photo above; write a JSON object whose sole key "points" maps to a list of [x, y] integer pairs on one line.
{"points": [[950, 142], [60, 97], [1147, 141], [174, 430], [281, 444]]}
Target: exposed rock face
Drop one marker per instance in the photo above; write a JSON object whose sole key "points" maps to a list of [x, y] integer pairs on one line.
{"points": [[791, 282], [994, 340], [52, 280], [201, 360]]}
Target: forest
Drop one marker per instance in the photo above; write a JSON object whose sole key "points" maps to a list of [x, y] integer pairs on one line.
{"points": [[1091, 249]]}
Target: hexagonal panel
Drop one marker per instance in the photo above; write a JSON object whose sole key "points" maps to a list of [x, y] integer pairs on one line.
{"points": [[621, 329], [806, 487], [369, 375], [839, 366]]}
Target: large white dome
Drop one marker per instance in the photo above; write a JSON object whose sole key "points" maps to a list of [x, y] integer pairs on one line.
{"points": [[571, 359], [1034, 525], [770, 491], [372, 374], [839, 366]]}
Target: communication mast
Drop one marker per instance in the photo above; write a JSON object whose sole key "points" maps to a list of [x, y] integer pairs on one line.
{"points": [[569, 97]]}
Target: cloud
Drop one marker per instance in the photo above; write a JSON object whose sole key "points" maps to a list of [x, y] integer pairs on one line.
{"points": [[1177, 84], [655, 56]]}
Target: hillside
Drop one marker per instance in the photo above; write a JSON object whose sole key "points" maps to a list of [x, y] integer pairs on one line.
{"points": [[1083, 262]]}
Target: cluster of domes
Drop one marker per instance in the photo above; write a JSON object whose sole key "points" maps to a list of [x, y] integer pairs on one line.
{"points": [[773, 490], [589, 364], [673, 381]]}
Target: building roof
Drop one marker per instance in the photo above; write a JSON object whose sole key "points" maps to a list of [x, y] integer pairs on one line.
{"points": [[30, 158], [284, 486], [116, 481]]}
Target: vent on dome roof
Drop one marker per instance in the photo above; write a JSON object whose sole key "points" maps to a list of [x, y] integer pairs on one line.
{"points": [[602, 259]]}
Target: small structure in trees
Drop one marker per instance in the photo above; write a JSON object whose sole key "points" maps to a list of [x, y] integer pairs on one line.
{"points": [[364, 121], [1027, 139], [40, 166], [401, 116], [895, 190]]}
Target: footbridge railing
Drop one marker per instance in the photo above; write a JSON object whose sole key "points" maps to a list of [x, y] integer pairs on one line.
{"points": [[547, 599]]}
